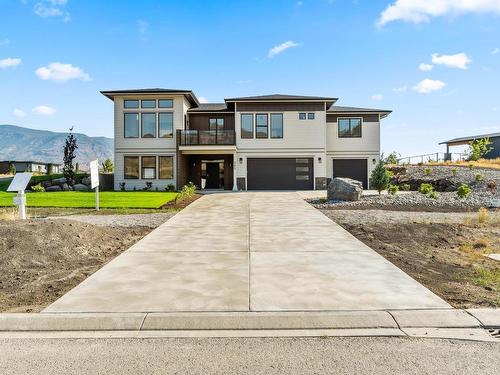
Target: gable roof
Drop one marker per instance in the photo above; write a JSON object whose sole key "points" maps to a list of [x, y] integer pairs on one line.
{"points": [[210, 107], [343, 109], [281, 97], [470, 138], [189, 94]]}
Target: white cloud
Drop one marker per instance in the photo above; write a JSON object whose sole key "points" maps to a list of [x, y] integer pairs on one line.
{"points": [[425, 67], [202, 99], [427, 85], [52, 8], [10, 62], [377, 97], [276, 50], [59, 72], [418, 11], [18, 112], [44, 110], [495, 51], [459, 60], [400, 89]]}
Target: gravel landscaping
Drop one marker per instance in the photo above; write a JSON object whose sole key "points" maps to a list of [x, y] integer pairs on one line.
{"points": [[123, 221]]}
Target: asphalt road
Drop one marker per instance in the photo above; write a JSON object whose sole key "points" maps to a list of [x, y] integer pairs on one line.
{"points": [[248, 356]]}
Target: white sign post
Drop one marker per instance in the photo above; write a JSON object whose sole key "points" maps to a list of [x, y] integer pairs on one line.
{"points": [[94, 180], [19, 183]]}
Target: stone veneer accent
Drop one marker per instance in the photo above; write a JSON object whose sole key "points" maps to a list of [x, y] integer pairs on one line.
{"points": [[241, 183], [321, 183]]}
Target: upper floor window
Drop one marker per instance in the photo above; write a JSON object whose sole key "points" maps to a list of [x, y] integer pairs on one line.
{"points": [[310, 116], [148, 125], [166, 125], [261, 125], [131, 125], [149, 103], [276, 125], [246, 126], [165, 103], [216, 124], [131, 104], [302, 116], [349, 127]]}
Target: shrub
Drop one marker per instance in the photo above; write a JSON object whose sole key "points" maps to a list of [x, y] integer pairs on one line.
{"points": [[70, 146], [463, 191], [405, 187], [149, 186], [170, 187], [425, 188], [454, 172], [392, 189], [482, 216], [479, 177], [379, 179], [433, 194], [471, 166], [427, 171], [392, 158], [12, 169], [420, 163], [492, 186], [122, 186], [478, 148], [390, 174], [187, 191], [38, 188]]}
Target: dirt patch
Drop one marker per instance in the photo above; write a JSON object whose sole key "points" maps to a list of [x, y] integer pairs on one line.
{"points": [[40, 260], [445, 257], [179, 205]]}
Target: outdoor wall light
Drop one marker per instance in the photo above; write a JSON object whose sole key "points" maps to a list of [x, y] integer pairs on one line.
{"points": [[319, 159], [241, 160], [374, 161]]}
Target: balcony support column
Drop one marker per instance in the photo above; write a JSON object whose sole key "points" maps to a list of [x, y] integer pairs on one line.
{"points": [[235, 161]]}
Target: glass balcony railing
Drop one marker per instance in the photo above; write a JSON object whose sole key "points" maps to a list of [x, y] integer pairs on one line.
{"points": [[207, 137]]}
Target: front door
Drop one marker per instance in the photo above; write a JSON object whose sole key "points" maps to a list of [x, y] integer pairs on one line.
{"points": [[213, 179]]}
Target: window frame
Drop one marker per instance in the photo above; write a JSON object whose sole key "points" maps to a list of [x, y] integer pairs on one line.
{"points": [[261, 126], [142, 124], [125, 157], [170, 100], [148, 100], [271, 124], [350, 127], [311, 115], [158, 124], [125, 114], [304, 117], [241, 125], [159, 167], [131, 100], [142, 169]]}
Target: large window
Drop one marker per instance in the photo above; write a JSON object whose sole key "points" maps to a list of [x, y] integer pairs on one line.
{"points": [[261, 125], [131, 104], [165, 103], [247, 126], [276, 125], [131, 122], [166, 125], [349, 127], [148, 164], [148, 103], [166, 167], [216, 124], [148, 124], [131, 167]]}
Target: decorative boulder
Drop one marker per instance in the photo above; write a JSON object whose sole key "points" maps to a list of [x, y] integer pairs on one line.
{"points": [[59, 181], [53, 188], [81, 187], [66, 187], [86, 181], [46, 184], [344, 189]]}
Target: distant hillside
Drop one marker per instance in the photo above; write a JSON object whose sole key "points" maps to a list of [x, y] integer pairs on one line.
{"points": [[18, 143]]}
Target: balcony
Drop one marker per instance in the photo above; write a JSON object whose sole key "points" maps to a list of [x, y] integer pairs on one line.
{"points": [[207, 137]]}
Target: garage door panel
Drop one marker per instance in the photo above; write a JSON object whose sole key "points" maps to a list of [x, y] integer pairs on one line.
{"points": [[357, 169], [280, 173]]}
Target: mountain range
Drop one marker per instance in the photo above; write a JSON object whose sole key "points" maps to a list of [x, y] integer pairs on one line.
{"points": [[23, 144]]}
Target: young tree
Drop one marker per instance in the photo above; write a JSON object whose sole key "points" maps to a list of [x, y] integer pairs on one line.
{"points": [[107, 166], [478, 148], [70, 147], [379, 179], [392, 158], [77, 167], [12, 169]]}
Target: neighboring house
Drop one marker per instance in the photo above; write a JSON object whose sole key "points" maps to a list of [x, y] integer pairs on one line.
{"points": [[270, 142], [494, 138], [29, 166]]}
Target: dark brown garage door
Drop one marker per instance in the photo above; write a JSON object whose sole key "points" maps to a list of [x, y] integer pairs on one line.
{"points": [[280, 174], [357, 169]]}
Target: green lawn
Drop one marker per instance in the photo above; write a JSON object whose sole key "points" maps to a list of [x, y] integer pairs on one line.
{"points": [[107, 199]]}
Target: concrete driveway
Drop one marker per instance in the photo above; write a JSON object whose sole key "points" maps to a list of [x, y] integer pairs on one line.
{"points": [[265, 251]]}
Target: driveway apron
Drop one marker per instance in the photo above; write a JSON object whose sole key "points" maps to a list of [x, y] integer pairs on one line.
{"points": [[258, 251]]}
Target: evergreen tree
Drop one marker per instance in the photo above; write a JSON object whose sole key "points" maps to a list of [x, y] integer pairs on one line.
{"points": [[70, 147], [379, 179], [107, 166]]}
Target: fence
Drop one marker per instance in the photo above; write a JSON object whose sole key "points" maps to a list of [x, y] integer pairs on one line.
{"points": [[434, 157]]}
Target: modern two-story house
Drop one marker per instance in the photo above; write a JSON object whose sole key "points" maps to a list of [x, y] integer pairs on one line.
{"points": [[269, 142]]}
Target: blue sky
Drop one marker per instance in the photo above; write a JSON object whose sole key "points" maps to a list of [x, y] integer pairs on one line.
{"points": [[56, 55]]}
